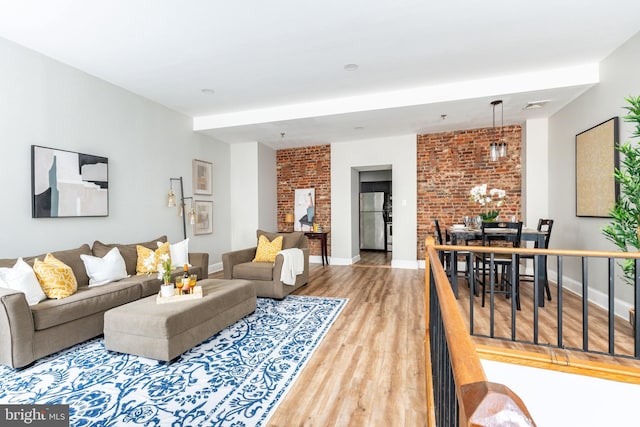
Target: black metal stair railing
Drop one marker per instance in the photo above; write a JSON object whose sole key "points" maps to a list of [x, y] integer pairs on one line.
{"points": [[457, 387], [586, 259]]}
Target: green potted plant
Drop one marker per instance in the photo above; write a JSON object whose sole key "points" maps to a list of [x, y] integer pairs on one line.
{"points": [[624, 229]]}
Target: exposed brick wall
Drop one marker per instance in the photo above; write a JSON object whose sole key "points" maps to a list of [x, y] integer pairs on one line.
{"points": [[450, 164], [307, 167]]}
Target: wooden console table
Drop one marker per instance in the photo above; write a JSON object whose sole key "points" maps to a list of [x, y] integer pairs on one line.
{"points": [[322, 236]]}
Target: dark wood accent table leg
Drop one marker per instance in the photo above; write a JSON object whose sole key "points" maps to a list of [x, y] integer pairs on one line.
{"points": [[322, 236]]}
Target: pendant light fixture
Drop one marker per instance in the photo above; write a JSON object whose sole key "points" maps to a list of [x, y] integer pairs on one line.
{"points": [[497, 150], [502, 146], [171, 198]]}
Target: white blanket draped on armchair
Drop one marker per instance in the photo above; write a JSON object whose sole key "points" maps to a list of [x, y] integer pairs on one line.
{"points": [[292, 266]]}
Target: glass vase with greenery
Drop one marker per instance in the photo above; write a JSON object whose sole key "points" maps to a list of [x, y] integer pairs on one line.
{"points": [[624, 229]]}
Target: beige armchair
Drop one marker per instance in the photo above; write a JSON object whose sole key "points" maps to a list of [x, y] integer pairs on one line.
{"points": [[265, 275]]}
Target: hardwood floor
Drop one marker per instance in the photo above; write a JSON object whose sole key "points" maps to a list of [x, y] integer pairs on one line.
{"points": [[369, 368], [548, 330], [374, 258]]}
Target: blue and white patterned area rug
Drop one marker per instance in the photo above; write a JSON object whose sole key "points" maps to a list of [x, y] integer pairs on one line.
{"points": [[236, 378]]}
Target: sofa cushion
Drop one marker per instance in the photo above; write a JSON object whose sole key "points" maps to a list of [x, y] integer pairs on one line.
{"points": [[253, 271], [289, 240], [128, 251], [85, 302], [267, 250], [22, 278], [106, 269], [55, 277], [179, 253], [71, 257], [149, 260]]}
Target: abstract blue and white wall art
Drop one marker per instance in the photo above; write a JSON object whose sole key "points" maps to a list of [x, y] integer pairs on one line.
{"points": [[66, 183]]}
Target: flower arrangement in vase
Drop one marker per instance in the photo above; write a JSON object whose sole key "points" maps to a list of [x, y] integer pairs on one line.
{"points": [[163, 266], [164, 269], [489, 201]]}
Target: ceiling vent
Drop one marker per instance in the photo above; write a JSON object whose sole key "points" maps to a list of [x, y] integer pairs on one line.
{"points": [[535, 105]]}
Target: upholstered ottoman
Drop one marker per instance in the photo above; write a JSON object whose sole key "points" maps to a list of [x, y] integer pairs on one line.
{"points": [[165, 331]]}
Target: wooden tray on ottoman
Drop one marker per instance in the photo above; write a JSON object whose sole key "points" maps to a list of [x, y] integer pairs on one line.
{"points": [[197, 293]]}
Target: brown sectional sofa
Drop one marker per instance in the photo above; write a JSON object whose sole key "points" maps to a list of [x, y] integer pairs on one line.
{"points": [[28, 333]]}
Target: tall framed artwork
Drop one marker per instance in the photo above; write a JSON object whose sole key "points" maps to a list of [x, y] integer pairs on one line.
{"points": [[202, 177], [68, 184], [596, 160], [304, 209], [204, 217]]}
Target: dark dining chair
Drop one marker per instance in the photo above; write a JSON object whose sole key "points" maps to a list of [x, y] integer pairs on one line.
{"points": [[446, 255], [499, 234], [544, 225]]}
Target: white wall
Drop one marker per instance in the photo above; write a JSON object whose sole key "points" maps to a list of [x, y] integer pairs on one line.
{"points": [[535, 170], [253, 192], [48, 103], [268, 188], [348, 157], [618, 79], [558, 399]]}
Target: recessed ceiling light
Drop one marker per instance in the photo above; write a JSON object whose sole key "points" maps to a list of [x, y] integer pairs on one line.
{"points": [[351, 67], [208, 91], [358, 128], [534, 105]]}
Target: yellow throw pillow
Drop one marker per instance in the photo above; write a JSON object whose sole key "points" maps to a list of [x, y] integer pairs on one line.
{"points": [[267, 250], [56, 278], [148, 259]]}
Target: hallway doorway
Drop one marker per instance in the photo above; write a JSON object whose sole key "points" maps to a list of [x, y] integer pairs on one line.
{"points": [[375, 215], [374, 258]]}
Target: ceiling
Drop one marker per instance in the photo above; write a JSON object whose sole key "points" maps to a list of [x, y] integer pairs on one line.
{"points": [[276, 69]]}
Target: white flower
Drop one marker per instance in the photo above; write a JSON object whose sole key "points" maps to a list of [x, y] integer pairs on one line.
{"points": [[165, 267], [160, 271], [495, 197]]}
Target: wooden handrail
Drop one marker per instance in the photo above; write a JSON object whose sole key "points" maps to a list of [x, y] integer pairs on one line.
{"points": [[481, 402], [533, 251], [466, 363]]}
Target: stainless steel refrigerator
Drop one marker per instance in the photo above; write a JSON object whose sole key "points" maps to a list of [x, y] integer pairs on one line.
{"points": [[372, 221]]}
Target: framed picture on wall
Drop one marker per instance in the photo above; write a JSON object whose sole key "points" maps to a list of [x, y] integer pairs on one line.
{"points": [[67, 184], [202, 177], [204, 217], [596, 158], [304, 209]]}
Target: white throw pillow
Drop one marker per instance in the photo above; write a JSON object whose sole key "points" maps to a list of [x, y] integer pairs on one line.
{"points": [[22, 278], [179, 253], [109, 268]]}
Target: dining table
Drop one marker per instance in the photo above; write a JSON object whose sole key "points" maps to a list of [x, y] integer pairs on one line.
{"points": [[462, 234]]}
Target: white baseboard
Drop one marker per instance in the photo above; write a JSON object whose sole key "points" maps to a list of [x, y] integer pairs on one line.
{"points": [[214, 268], [597, 297], [317, 259], [406, 264], [338, 261]]}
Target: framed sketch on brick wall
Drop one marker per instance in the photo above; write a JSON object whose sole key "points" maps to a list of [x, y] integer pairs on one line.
{"points": [[596, 159], [304, 209]]}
